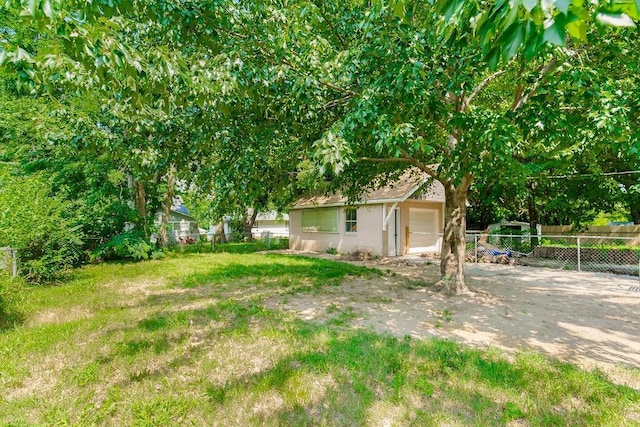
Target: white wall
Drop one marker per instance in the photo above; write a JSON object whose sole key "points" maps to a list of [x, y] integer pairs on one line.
{"points": [[368, 237], [277, 228]]}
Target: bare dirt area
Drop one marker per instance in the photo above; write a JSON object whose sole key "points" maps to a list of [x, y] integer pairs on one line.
{"points": [[589, 319]]}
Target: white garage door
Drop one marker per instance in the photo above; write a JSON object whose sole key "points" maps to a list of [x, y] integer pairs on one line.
{"points": [[423, 231]]}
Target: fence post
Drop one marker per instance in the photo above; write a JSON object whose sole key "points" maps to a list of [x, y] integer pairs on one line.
{"points": [[579, 266], [15, 263], [475, 247]]}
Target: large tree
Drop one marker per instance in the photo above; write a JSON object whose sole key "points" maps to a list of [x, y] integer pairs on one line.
{"points": [[442, 88]]}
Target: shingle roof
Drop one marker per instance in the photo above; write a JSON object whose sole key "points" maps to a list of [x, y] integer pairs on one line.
{"points": [[398, 191]]}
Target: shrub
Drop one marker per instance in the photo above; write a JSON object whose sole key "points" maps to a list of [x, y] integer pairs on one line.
{"points": [[12, 297], [39, 226], [129, 245]]}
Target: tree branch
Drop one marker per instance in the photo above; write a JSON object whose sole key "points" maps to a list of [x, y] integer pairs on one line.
{"points": [[467, 101], [425, 168], [283, 61], [466, 182], [384, 159], [521, 99], [330, 25], [406, 158], [336, 102]]}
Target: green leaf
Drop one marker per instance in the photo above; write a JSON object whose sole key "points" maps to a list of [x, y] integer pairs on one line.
{"points": [[563, 5], [530, 4], [533, 46], [511, 16], [577, 30], [615, 19], [32, 5], [4, 55], [629, 7], [22, 55], [399, 8], [554, 34], [513, 42], [449, 9], [47, 8], [492, 58]]}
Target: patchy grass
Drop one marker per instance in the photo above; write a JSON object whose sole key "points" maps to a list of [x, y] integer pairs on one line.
{"points": [[189, 340]]}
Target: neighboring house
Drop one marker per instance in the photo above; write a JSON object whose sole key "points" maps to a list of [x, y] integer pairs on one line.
{"points": [[273, 222], [509, 227], [182, 227], [406, 217]]}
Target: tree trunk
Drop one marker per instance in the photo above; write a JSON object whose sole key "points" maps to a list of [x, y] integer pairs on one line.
{"points": [[248, 225], [454, 249], [635, 215], [223, 234], [163, 235], [140, 197]]}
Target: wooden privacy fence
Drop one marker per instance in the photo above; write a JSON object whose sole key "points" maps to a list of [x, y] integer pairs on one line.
{"points": [[606, 231]]}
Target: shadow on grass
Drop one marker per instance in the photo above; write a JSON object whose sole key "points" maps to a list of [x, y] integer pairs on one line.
{"points": [[10, 318], [426, 379], [278, 271], [370, 368]]}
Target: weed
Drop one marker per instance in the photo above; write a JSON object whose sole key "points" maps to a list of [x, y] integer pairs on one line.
{"points": [[511, 412], [379, 299], [331, 308], [344, 317], [442, 316]]}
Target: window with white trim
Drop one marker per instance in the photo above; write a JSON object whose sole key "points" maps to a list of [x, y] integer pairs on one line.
{"points": [[350, 220], [322, 220]]}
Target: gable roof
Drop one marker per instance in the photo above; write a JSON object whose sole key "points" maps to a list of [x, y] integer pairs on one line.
{"points": [[399, 191]]}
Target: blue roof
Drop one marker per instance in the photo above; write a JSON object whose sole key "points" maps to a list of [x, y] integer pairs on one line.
{"points": [[182, 209]]}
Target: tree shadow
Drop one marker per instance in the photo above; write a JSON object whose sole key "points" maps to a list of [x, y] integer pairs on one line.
{"points": [[279, 268]]}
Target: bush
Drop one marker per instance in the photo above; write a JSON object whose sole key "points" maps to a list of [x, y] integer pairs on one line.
{"points": [[130, 245], [12, 297], [38, 225]]}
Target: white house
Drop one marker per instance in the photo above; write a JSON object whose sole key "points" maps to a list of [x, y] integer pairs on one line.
{"points": [[406, 217], [275, 223], [181, 226]]}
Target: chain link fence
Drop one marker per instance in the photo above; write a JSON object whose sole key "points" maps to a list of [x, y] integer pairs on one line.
{"points": [[618, 255], [9, 261]]}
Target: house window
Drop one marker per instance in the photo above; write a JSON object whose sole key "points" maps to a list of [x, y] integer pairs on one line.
{"points": [[323, 220], [351, 220]]}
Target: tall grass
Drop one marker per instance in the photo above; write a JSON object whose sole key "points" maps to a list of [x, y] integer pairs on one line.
{"points": [[12, 298]]}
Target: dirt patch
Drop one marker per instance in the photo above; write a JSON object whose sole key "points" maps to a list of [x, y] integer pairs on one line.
{"points": [[590, 319]]}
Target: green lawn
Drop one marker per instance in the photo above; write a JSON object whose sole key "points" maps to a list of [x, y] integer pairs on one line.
{"points": [[193, 339]]}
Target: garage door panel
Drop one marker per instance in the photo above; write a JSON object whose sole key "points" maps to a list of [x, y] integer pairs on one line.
{"points": [[423, 230]]}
